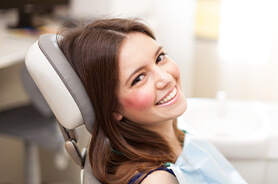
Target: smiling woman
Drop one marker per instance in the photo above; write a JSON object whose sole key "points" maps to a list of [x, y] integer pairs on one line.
{"points": [[135, 89], [149, 83]]}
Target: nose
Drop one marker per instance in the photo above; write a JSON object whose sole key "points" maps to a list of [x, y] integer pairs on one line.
{"points": [[163, 78]]}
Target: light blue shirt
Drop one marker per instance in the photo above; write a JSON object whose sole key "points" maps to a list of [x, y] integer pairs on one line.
{"points": [[201, 163]]}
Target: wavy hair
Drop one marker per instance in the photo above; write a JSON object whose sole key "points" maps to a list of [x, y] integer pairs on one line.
{"points": [[118, 149]]}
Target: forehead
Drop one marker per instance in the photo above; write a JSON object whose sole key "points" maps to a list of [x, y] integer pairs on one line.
{"points": [[136, 51]]}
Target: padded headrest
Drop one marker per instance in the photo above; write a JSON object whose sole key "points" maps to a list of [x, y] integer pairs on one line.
{"points": [[59, 84]]}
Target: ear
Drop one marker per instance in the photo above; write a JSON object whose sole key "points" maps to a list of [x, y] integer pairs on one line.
{"points": [[118, 116]]}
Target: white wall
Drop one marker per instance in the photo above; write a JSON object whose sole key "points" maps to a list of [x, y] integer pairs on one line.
{"points": [[251, 70], [246, 73]]}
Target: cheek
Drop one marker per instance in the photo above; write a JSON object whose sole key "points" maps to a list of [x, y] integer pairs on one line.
{"points": [[175, 71], [138, 100], [172, 68]]}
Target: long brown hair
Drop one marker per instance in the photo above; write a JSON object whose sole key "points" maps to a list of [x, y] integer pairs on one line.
{"points": [[118, 149]]}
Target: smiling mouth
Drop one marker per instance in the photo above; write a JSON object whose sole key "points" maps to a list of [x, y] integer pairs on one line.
{"points": [[169, 97]]}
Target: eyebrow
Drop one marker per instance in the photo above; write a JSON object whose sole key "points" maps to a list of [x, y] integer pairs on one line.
{"points": [[142, 67]]}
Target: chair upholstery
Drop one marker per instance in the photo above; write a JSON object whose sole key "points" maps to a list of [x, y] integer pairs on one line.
{"points": [[88, 175], [53, 75], [65, 94]]}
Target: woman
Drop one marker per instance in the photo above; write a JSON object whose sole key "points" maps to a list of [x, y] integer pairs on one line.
{"points": [[135, 89]]}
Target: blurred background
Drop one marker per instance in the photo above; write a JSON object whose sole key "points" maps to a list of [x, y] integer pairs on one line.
{"points": [[227, 46]]}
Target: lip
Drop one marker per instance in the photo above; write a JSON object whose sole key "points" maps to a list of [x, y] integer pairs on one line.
{"points": [[173, 100]]}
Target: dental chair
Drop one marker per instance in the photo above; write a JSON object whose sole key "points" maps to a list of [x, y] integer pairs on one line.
{"points": [[66, 96]]}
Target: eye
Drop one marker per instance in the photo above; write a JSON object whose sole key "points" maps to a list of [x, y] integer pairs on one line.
{"points": [[160, 57], [137, 79]]}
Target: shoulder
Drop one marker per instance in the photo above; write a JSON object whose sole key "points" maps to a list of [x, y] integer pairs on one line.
{"points": [[161, 177]]}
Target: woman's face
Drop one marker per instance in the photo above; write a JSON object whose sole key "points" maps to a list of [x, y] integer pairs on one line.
{"points": [[149, 90]]}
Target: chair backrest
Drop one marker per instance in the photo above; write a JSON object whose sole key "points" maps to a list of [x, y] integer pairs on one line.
{"points": [[64, 93], [59, 84]]}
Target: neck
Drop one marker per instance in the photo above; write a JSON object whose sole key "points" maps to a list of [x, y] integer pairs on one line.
{"points": [[166, 129], [172, 140]]}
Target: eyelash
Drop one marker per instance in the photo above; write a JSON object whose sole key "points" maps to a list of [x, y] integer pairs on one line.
{"points": [[161, 54], [138, 79]]}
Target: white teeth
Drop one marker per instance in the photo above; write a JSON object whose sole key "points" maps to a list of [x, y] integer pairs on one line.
{"points": [[168, 97]]}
